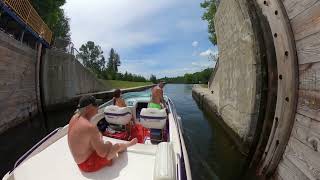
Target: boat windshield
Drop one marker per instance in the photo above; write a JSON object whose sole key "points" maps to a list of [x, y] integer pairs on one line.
{"points": [[136, 94], [133, 95]]}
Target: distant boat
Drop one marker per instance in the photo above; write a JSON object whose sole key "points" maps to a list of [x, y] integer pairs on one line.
{"points": [[160, 155]]}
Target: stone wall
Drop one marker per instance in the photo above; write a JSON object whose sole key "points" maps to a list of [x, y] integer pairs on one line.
{"points": [[18, 99], [64, 78], [235, 85]]}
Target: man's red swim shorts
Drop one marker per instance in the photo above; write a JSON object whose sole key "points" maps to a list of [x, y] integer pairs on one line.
{"points": [[94, 163]]}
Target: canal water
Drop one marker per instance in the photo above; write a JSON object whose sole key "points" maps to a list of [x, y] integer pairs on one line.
{"points": [[212, 153]]}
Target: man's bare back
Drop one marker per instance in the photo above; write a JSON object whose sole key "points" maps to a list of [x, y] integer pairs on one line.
{"points": [[79, 138], [157, 95], [84, 138]]}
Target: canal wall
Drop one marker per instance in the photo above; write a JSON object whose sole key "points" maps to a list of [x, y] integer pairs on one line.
{"points": [[206, 102], [64, 78], [235, 89], [18, 100]]}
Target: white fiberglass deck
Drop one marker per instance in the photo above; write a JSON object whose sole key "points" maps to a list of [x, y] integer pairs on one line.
{"points": [[56, 162]]}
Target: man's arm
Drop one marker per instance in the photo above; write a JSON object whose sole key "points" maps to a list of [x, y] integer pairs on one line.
{"points": [[101, 148]]}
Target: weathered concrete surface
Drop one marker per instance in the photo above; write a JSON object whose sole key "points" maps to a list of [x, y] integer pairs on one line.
{"points": [[64, 78], [235, 85], [206, 102], [18, 100]]}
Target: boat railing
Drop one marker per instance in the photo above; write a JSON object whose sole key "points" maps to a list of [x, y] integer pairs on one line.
{"points": [[30, 17], [185, 172]]}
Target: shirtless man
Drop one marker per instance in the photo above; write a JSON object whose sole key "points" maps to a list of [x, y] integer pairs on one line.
{"points": [[157, 97], [88, 149]]}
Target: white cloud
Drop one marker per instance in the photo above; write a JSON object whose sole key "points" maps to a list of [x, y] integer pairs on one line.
{"points": [[150, 36], [202, 64], [144, 67], [115, 23], [191, 25], [195, 43], [208, 53]]}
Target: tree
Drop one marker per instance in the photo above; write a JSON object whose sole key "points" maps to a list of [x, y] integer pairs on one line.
{"points": [[53, 15], [116, 62], [111, 58], [61, 29], [197, 77], [125, 76], [209, 14], [92, 57], [113, 61], [188, 78], [153, 79]]}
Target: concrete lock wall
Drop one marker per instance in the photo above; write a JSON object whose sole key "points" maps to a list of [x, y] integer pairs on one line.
{"points": [[235, 90], [64, 78], [18, 100]]}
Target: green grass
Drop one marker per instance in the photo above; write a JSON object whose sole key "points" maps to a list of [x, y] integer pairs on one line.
{"points": [[114, 84]]}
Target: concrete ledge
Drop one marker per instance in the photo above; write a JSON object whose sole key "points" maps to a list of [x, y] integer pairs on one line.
{"points": [[204, 99], [104, 95]]}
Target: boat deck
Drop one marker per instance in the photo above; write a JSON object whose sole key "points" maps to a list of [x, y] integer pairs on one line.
{"points": [[56, 162]]}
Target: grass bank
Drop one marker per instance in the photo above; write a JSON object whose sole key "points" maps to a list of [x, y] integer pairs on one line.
{"points": [[124, 84]]}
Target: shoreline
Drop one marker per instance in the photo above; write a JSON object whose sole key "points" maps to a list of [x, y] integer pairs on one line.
{"points": [[102, 96]]}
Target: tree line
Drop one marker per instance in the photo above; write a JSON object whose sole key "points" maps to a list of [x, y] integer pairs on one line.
{"points": [[191, 78], [91, 56], [210, 9], [53, 15]]}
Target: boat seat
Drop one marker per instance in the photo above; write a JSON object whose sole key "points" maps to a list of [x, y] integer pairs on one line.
{"points": [[117, 115], [152, 118]]}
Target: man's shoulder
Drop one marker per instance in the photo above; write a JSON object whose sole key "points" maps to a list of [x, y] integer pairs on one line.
{"points": [[85, 124]]}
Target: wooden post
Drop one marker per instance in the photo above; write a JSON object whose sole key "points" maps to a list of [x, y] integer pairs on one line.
{"points": [[38, 88], [39, 47]]}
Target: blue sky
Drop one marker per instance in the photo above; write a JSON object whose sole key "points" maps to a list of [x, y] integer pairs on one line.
{"points": [[160, 37]]}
